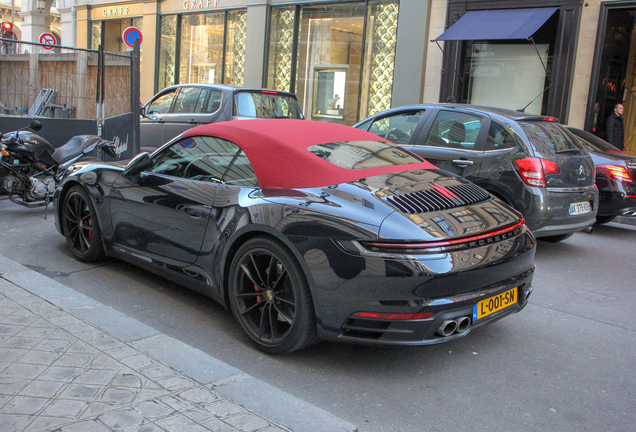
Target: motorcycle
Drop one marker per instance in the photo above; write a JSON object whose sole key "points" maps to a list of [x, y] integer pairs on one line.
{"points": [[34, 167]]}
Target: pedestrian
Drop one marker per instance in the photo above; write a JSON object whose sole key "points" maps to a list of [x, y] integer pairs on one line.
{"points": [[451, 99], [614, 127]]}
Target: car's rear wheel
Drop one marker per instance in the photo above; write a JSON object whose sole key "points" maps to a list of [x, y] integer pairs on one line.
{"points": [[80, 227], [604, 219], [556, 238], [270, 297]]}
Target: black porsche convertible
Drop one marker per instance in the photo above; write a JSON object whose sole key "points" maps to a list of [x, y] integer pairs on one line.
{"points": [[307, 231]]}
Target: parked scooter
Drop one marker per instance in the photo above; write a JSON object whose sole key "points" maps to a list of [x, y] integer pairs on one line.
{"points": [[34, 166]]}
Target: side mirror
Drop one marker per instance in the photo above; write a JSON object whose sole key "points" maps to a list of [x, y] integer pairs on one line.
{"points": [[35, 125], [138, 164], [142, 112], [110, 149]]}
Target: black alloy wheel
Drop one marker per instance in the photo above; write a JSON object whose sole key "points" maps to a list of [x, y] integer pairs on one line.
{"points": [[80, 227], [270, 297]]}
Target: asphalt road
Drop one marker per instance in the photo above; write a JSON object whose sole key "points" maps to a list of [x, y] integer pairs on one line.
{"points": [[565, 363]]}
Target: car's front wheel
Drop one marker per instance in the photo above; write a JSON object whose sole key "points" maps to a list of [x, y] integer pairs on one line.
{"points": [[80, 227], [270, 297]]}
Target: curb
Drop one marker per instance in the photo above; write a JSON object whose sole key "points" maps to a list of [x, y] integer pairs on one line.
{"points": [[228, 381]]}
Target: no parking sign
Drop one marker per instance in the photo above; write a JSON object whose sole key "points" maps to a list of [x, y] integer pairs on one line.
{"points": [[129, 36], [48, 41]]}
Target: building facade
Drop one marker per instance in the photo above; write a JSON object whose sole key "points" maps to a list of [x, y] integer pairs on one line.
{"points": [[344, 60], [347, 59]]}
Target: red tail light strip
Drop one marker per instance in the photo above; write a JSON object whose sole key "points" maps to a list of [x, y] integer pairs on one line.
{"points": [[392, 316], [616, 172], [429, 245]]}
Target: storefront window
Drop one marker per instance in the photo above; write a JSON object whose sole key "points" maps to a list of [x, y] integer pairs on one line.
{"points": [[167, 48], [511, 74], [206, 42], [508, 76], [96, 34], [235, 47], [329, 60], [281, 46], [324, 67], [201, 57], [379, 62]]}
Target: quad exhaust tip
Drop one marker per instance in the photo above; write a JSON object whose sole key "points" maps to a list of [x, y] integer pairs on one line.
{"points": [[450, 327]]}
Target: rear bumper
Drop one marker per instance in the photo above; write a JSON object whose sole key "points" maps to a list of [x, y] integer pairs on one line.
{"points": [[448, 285], [615, 199], [425, 331], [548, 214]]}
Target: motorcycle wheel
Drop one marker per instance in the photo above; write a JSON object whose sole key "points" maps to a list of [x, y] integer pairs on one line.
{"points": [[80, 225]]}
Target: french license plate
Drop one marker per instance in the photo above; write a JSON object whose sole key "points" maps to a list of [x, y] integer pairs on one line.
{"points": [[580, 208], [494, 304]]}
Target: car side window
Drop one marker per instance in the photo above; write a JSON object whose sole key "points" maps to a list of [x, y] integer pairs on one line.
{"points": [[187, 100], [161, 104], [206, 159], [214, 102], [498, 138], [454, 130], [397, 128]]}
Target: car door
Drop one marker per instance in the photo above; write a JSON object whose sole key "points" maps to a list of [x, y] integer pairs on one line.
{"points": [[163, 213], [152, 123], [453, 141], [186, 112]]}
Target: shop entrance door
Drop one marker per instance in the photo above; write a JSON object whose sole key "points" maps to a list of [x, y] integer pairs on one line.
{"points": [[108, 33], [614, 75]]}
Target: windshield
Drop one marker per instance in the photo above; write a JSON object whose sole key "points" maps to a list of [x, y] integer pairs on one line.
{"points": [[266, 105], [364, 154]]}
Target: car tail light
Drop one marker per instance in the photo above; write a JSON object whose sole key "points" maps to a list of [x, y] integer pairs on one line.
{"points": [[392, 316], [616, 172], [549, 119], [534, 170]]}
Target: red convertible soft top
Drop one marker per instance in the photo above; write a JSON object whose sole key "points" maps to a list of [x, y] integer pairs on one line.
{"points": [[277, 150]]}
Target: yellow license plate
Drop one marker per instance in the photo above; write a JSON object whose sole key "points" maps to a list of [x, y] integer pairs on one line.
{"points": [[494, 304]]}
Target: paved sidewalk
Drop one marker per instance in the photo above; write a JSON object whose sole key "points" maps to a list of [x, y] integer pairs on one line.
{"points": [[71, 364]]}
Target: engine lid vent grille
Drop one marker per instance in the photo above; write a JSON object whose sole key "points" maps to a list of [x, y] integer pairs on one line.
{"points": [[433, 200]]}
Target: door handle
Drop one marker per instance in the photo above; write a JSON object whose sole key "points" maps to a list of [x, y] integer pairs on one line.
{"points": [[195, 213], [193, 121], [463, 162]]}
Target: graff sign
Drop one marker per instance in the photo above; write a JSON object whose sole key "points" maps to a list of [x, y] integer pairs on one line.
{"points": [[199, 4], [115, 11]]}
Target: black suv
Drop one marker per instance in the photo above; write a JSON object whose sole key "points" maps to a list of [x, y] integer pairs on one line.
{"points": [[180, 107], [529, 161]]}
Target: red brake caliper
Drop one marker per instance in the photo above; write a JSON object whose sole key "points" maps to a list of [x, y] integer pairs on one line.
{"points": [[90, 232], [258, 298]]}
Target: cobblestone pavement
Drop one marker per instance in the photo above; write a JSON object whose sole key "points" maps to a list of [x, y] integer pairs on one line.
{"points": [[60, 373]]}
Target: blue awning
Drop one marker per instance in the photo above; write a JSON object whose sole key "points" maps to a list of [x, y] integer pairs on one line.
{"points": [[498, 24]]}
